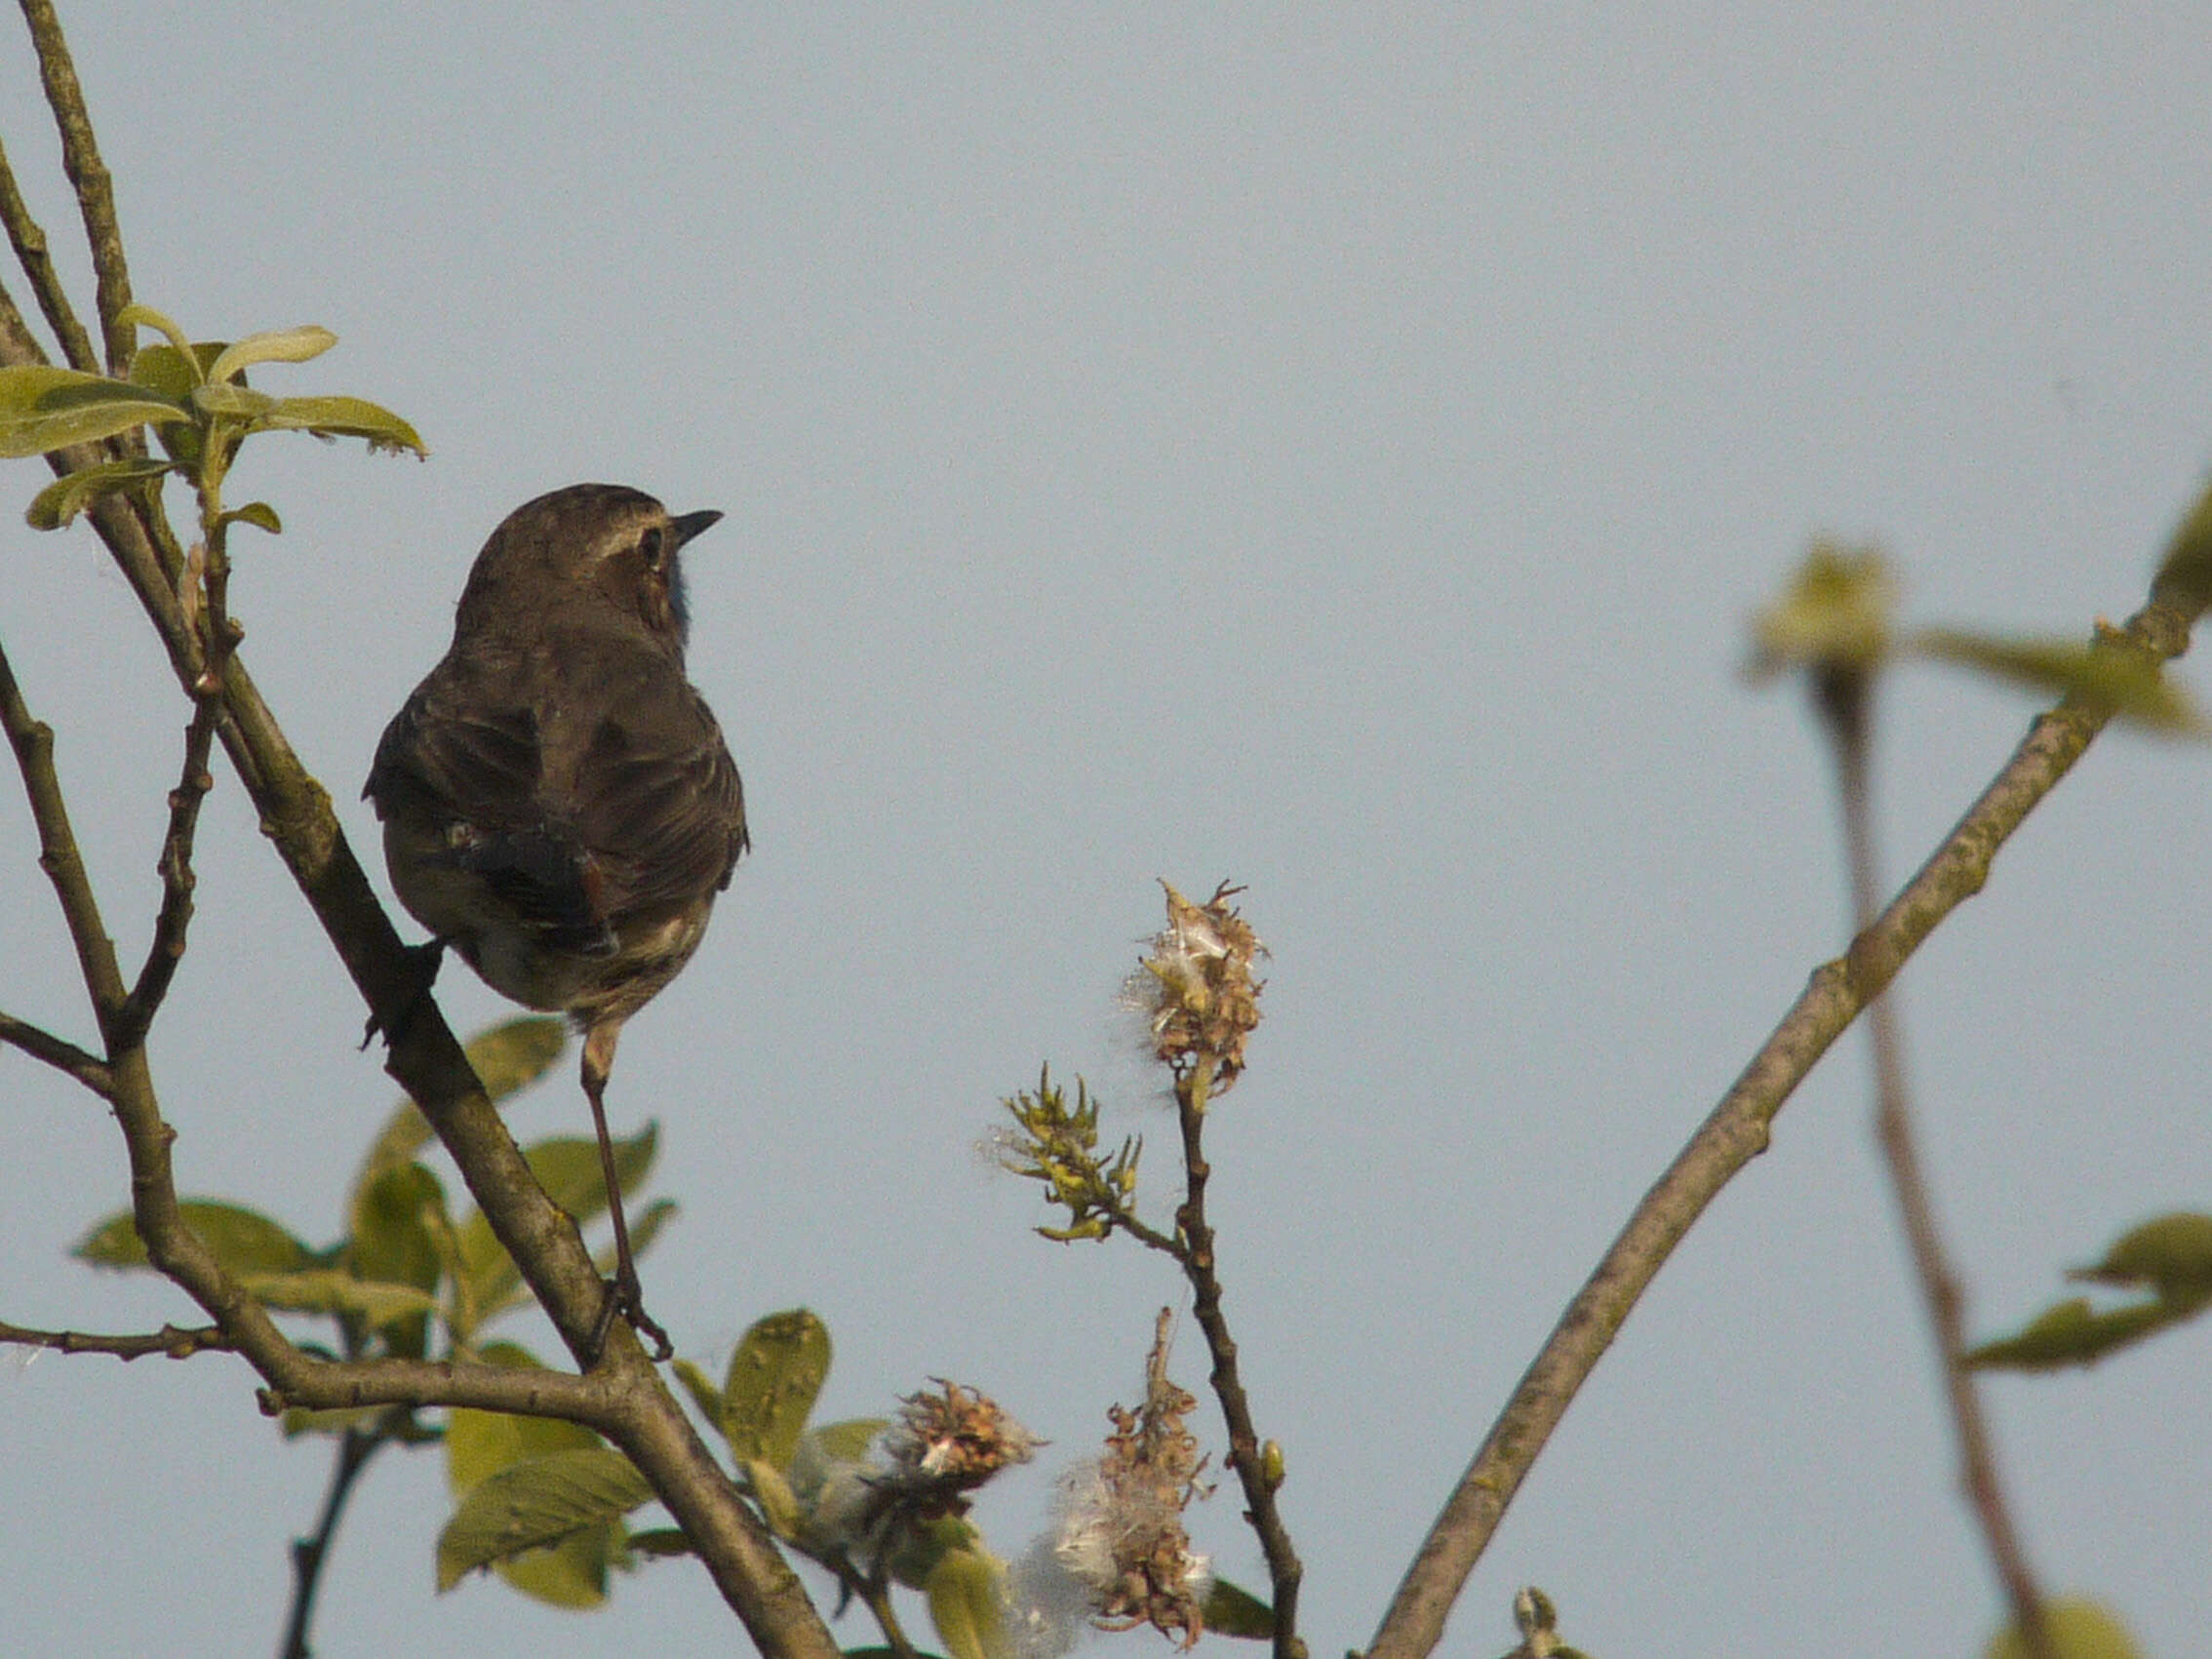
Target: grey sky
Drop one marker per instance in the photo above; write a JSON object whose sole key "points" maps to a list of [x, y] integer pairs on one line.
{"points": [[1331, 449]]}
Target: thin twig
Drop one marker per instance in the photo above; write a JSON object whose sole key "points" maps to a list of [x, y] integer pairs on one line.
{"points": [[1844, 695], [174, 918], [57, 854], [1284, 1568], [59, 1052], [87, 174], [355, 1447], [174, 1342], [1737, 1130], [28, 239]]}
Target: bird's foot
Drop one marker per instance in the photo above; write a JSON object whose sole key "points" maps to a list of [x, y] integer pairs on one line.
{"points": [[625, 1296], [422, 964]]}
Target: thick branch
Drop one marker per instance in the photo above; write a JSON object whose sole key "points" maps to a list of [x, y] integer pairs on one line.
{"points": [[1737, 1131]]}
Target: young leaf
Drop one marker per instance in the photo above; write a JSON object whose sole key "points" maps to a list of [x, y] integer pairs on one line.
{"points": [[661, 1541], [965, 1592], [2171, 1255], [2078, 1629], [534, 1504], [2185, 577], [328, 1290], [508, 1057], [776, 1373], [700, 1387], [165, 370], [568, 1169], [43, 408], [2072, 1333], [242, 1240], [1231, 1611], [345, 417], [145, 316], [238, 403], [259, 514], [2129, 685], [61, 501], [281, 345]]}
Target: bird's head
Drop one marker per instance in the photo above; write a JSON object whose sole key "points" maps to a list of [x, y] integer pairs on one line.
{"points": [[587, 553]]}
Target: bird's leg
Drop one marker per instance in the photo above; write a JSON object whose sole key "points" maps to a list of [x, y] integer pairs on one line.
{"points": [[624, 1294]]}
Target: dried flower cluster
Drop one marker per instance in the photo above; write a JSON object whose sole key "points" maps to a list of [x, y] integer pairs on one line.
{"points": [[1201, 996], [920, 1469], [946, 1444], [1122, 1535]]}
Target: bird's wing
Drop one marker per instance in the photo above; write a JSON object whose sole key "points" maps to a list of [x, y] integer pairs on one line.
{"points": [[658, 804], [468, 763]]}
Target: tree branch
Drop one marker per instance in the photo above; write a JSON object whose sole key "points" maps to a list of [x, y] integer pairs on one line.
{"points": [[1284, 1568], [1737, 1130], [1843, 694], [62, 1055], [355, 1448], [87, 174], [174, 1342]]}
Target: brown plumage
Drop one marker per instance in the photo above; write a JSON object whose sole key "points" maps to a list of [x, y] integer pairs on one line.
{"points": [[558, 803]]}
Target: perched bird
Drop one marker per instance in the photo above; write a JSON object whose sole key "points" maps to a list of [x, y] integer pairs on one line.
{"points": [[558, 803]]}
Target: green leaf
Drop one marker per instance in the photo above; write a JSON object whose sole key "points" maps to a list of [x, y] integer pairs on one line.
{"points": [[2078, 1629], [345, 417], [43, 409], [779, 1505], [2185, 577], [299, 1420], [845, 1442], [966, 1593], [508, 1057], [2072, 1333], [661, 1541], [515, 1053], [700, 1387], [776, 1374], [162, 369], [392, 1217], [242, 1241], [328, 1290], [2171, 1255], [259, 514], [1231, 1611], [482, 1444], [568, 1169], [2104, 674], [61, 501], [220, 398], [281, 345], [145, 316], [534, 1504]]}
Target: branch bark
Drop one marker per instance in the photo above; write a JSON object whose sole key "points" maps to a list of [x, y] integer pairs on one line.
{"points": [[1736, 1131]]}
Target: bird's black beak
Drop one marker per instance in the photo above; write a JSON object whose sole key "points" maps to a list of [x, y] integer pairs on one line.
{"points": [[688, 524]]}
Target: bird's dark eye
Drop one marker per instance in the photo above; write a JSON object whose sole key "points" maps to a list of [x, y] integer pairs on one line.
{"points": [[648, 547]]}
